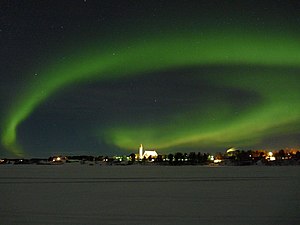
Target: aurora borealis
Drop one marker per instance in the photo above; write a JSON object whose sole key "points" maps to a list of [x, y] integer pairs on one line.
{"points": [[187, 86]]}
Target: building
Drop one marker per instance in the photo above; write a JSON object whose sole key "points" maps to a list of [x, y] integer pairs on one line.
{"points": [[152, 154], [146, 154]]}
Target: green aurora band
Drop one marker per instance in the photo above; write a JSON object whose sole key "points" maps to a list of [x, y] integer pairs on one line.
{"points": [[277, 113], [230, 48]]}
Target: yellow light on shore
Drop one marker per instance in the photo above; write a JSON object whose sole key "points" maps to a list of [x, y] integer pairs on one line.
{"points": [[270, 156], [217, 160]]}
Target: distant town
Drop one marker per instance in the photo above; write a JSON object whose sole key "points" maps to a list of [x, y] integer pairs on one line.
{"points": [[231, 157]]}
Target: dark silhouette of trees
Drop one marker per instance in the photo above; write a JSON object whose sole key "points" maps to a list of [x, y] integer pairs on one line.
{"points": [[178, 158], [297, 155], [281, 154], [159, 159], [192, 158], [170, 158], [132, 158], [202, 158]]}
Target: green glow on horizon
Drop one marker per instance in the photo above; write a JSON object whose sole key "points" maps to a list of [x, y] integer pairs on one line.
{"points": [[162, 53]]}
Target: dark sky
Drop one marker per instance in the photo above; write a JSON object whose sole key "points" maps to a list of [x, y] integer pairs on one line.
{"points": [[102, 77]]}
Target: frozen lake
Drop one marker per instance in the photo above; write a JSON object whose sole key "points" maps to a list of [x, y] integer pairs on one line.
{"points": [[82, 194]]}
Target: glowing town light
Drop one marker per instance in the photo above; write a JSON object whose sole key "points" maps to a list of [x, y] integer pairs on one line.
{"points": [[270, 156], [217, 160]]}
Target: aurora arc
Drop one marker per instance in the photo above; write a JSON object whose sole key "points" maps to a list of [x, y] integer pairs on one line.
{"points": [[162, 53]]}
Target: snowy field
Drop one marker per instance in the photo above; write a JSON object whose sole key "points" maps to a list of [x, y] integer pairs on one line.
{"points": [[84, 195]]}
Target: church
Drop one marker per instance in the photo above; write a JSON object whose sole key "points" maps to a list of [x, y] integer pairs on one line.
{"points": [[146, 154]]}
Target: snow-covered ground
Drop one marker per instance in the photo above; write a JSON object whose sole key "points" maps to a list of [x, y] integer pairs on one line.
{"points": [[84, 195]]}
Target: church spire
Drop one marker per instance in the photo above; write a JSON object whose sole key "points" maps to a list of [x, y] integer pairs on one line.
{"points": [[141, 151]]}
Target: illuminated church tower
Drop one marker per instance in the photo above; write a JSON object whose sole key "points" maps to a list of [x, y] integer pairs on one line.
{"points": [[141, 150]]}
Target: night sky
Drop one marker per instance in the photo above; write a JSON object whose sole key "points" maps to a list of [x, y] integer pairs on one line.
{"points": [[102, 77]]}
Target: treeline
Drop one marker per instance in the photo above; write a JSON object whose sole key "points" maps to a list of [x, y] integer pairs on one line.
{"points": [[238, 158], [233, 157], [177, 158]]}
